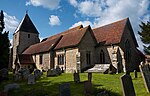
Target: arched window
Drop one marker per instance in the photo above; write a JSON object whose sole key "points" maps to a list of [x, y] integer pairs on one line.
{"points": [[127, 51], [102, 57]]}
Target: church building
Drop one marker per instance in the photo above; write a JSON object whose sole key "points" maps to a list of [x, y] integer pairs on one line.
{"points": [[77, 49]]}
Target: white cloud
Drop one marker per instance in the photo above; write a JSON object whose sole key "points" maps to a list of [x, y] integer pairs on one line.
{"points": [[51, 4], [11, 22], [73, 2], [54, 20], [84, 23], [108, 11]]}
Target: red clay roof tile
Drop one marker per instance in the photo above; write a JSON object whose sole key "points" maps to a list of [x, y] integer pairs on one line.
{"points": [[71, 39], [25, 59], [111, 33]]}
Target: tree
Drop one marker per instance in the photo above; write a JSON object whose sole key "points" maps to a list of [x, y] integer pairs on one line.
{"points": [[145, 36], [4, 44]]}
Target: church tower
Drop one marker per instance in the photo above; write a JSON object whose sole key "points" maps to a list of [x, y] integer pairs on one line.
{"points": [[25, 35]]}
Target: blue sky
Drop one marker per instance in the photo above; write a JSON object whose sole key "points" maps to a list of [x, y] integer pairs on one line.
{"points": [[53, 16]]}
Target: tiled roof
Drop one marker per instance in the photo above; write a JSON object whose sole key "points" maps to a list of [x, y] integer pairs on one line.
{"points": [[42, 46], [25, 59], [26, 25], [48, 43], [66, 32], [71, 39], [111, 33]]}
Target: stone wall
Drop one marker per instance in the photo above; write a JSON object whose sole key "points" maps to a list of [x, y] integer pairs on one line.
{"points": [[21, 42], [46, 61], [87, 44], [134, 62]]}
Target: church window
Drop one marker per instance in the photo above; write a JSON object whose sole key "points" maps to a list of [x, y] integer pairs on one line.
{"points": [[88, 58], [102, 57], [28, 35], [60, 59], [127, 51], [41, 59]]}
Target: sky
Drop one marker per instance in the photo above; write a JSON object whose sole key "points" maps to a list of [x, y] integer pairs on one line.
{"points": [[54, 16]]}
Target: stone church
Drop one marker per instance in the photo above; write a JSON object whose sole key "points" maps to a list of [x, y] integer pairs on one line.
{"points": [[77, 49]]}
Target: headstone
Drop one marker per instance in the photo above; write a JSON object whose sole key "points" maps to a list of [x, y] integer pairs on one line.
{"points": [[64, 90], [17, 77], [87, 88], [4, 74], [9, 87], [144, 69], [90, 77], [51, 72], [37, 73], [127, 85], [25, 73], [76, 77], [135, 74], [31, 79], [58, 70]]}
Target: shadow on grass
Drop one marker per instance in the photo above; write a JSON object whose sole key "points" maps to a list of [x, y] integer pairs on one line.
{"points": [[47, 88]]}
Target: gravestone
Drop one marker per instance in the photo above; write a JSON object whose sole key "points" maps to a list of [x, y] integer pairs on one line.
{"points": [[76, 77], [4, 74], [135, 74], [31, 79], [37, 73], [9, 87], [25, 73], [127, 85], [51, 72], [17, 77], [90, 77], [144, 69], [64, 89], [87, 88], [58, 70]]}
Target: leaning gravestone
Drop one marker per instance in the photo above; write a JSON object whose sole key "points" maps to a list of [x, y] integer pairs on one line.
{"points": [[144, 69], [87, 88], [64, 90], [31, 79], [127, 85], [76, 77]]}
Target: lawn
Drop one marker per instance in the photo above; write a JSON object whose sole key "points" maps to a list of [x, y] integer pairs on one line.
{"points": [[49, 86]]}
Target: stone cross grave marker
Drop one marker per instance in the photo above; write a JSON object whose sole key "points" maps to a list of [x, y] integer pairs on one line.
{"points": [[64, 89], [90, 77], [87, 88], [31, 79], [145, 72], [76, 77], [127, 85]]}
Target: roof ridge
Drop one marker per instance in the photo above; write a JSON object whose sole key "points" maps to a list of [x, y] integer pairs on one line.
{"points": [[125, 19]]}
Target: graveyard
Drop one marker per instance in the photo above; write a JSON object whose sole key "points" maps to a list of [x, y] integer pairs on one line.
{"points": [[108, 84]]}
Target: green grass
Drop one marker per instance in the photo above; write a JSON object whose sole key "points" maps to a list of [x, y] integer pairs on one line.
{"points": [[50, 85]]}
